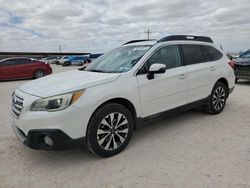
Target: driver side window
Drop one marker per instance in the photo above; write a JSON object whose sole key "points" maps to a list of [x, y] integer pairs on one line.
{"points": [[168, 55]]}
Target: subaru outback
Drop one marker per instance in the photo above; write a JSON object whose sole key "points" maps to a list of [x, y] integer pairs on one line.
{"points": [[101, 105]]}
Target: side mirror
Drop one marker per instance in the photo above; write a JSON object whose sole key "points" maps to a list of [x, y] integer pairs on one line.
{"points": [[156, 68]]}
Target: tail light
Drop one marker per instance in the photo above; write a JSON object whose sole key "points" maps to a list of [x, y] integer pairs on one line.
{"points": [[232, 64]]}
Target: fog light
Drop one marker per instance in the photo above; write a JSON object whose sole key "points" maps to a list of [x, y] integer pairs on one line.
{"points": [[48, 141]]}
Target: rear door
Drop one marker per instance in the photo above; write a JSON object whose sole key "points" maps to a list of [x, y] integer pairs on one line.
{"points": [[167, 90], [201, 70]]}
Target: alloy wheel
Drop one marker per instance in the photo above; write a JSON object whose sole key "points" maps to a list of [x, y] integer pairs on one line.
{"points": [[219, 98], [112, 131], [39, 74]]}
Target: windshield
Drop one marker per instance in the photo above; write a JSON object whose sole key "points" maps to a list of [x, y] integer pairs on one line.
{"points": [[245, 55], [119, 60]]}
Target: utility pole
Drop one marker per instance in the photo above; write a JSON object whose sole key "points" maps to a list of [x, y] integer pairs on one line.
{"points": [[60, 49], [148, 32]]}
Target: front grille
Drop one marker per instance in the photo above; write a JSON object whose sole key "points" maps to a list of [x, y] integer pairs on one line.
{"points": [[16, 105]]}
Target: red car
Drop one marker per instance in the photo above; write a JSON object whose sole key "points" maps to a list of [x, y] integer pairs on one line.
{"points": [[17, 68]]}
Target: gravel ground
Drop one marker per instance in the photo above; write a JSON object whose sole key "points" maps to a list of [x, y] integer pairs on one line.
{"points": [[191, 150]]}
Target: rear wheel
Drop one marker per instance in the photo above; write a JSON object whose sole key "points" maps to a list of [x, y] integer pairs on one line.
{"points": [[39, 74], [110, 130], [217, 99]]}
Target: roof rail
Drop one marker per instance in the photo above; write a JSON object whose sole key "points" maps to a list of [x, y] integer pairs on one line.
{"points": [[141, 40], [186, 37]]}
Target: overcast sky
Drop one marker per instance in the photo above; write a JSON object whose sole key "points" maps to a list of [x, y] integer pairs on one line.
{"points": [[100, 25]]}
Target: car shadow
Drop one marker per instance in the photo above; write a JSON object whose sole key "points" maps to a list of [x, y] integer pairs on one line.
{"points": [[168, 123], [12, 80], [243, 82], [78, 155]]}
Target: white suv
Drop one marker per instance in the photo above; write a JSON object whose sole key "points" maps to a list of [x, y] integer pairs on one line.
{"points": [[102, 105]]}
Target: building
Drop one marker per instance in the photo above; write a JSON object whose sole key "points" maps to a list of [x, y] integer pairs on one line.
{"points": [[37, 55]]}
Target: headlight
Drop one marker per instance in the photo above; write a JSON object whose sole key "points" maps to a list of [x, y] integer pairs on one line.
{"points": [[56, 103]]}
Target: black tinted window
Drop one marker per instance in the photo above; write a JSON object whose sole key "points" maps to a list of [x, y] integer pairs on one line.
{"points": [[49, 58], [168, 55], [192, 54], [214, 54], [14, 62], [7, 63], [207, 56], [22, 61]]}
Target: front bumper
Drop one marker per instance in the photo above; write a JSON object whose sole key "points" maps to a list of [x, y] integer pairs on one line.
{"points": [[35, 139], [72, 121]]}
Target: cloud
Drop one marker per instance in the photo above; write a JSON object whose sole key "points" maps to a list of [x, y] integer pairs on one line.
{"points": [[98, 25]]}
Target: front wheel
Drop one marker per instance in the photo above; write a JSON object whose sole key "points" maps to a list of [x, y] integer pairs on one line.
{"points": [[39, 74], [110, 130], [217, 99]]}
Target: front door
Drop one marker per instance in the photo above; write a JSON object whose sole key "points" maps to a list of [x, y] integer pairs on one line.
{"points": [[167, 90]]}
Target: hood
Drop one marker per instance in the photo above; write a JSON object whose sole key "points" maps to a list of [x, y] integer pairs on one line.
{"points": [[66, 82], [242, 61]]}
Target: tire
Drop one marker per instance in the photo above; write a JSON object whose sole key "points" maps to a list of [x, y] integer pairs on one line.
{"points": [[39, 74], [103, 138], [66, 64], [217, 99], [236, 80]]}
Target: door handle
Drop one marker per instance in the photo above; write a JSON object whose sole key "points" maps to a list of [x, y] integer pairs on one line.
{"points": [[182, 76], [212, 68]]}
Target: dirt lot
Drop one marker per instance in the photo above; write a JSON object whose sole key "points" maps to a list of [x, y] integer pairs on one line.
{"points": [[190, 150]]}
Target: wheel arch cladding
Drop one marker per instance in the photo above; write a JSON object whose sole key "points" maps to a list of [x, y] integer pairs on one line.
{"points": [[122, 101], [36, 70], [224, 81]]}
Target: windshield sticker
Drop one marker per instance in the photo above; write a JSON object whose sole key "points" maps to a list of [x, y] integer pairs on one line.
{"points": [[141, 48]]}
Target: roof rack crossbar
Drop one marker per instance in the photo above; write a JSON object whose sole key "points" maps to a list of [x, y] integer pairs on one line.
{"points": [[186, 37], [134, 41]]}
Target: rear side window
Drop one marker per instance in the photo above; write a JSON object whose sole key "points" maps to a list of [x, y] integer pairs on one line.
{"points": [[7, 63], [207, 56], [192, 54], [214, 53]]}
